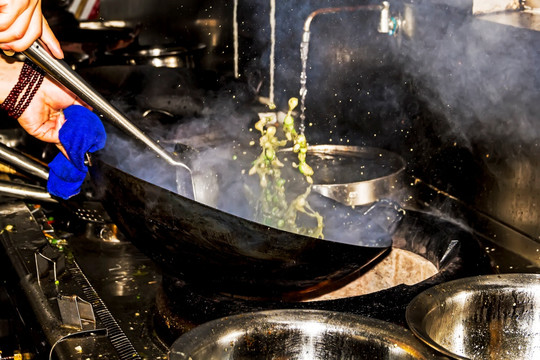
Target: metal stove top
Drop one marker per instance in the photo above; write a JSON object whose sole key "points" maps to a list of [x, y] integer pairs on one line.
{"points": [[92, 298], [96, 295]]}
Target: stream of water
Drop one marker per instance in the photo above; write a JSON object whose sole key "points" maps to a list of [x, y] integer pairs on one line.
{"points": [[304, 49]]}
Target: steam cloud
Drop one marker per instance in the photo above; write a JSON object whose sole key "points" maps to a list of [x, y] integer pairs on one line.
{"points": [[481, 76]]}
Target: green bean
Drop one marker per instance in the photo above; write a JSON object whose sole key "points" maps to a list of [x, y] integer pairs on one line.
{"points": [[273, 207]]}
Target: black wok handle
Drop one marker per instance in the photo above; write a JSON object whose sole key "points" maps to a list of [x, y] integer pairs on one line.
{"points": [[61, 71]]}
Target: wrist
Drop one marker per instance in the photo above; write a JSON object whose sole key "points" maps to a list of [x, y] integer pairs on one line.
{"points": [[21, 94], [9, 75]]}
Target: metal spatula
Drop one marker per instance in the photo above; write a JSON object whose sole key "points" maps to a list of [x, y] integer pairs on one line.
{"points": [[63, 73]]}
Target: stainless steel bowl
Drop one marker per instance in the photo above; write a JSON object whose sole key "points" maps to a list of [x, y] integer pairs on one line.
{"points": [[299, 334], [484, 317]]}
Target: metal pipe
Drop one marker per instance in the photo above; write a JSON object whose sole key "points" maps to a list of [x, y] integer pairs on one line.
{"points": [[22, 162], [24, 191], [309, 19], [61, 71]]}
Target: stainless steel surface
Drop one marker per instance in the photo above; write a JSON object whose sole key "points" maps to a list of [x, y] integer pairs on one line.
{"points": [[21, 245], [510, 249], [22, 162], [60, 71], [161, 56], [23, 191], [514, 197], [520, 19], [299, 334], [484, 317], [355, 175]]}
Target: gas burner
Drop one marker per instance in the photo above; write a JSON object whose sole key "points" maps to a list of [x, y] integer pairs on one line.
{"points": [[453, 251]]}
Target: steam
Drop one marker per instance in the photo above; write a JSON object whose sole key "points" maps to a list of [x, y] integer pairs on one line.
{"points": [[479, 75], [469, 71], [219, 129]]}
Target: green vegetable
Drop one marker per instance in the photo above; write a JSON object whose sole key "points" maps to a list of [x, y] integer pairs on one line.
{"points": [[272, 207]]}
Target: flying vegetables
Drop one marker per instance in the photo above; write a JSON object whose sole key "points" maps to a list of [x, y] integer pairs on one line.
{"points": [[273, 207]]}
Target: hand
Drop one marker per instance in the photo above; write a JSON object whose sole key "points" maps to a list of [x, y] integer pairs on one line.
{"points": [[44, 117], [21, 23]]}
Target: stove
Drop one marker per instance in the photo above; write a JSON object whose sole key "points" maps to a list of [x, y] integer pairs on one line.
{"points": [[79, 287]]}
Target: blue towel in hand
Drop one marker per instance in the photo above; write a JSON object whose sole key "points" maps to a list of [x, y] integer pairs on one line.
{"points": [[81, 133]]}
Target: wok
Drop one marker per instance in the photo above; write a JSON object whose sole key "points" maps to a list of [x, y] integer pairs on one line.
{"points": [[220, 251], [201, 244], [217, 250]]}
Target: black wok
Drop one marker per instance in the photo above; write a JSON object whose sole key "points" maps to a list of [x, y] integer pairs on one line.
{"points": [[200, 244], [220, 251]]}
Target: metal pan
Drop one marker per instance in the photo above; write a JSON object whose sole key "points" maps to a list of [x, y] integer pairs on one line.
{"points": [[214, 249], [220, 251], [299, 334], [482, 317], [158, 56]]}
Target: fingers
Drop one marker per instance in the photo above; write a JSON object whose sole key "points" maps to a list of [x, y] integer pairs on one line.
{"points": [[26, 33], [10, 11], [21, 23], [51, 41]]}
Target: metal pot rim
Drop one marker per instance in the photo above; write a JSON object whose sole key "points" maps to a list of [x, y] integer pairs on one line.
{"points": [[434, 297], [365, 191], [362, 327]]}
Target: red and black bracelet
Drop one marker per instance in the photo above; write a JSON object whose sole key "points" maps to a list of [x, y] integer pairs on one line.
{"points": [[23, 92]]}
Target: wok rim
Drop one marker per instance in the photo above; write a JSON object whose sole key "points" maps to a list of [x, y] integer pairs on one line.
{"points": [[95, 157]]}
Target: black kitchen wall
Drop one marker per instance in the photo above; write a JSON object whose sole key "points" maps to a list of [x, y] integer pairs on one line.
{"points": [[482, 81]]}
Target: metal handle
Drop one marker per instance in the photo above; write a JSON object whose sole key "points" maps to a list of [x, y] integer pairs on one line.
{"points": [[23, 191], [22, 162], [61, 71]]}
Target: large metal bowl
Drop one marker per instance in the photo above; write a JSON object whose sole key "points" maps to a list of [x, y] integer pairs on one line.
{"points": [[299, 334], [483, 317]]}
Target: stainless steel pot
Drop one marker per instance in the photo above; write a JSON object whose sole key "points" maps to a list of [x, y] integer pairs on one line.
{"points": [[159, 56], [483, 317], [299, 334], [355, 175]]}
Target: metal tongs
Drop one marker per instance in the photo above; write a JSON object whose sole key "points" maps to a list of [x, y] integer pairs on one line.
{"points": [[63, 73]]}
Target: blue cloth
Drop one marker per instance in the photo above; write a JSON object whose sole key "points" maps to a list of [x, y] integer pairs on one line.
{"points": [[81, 133]]}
